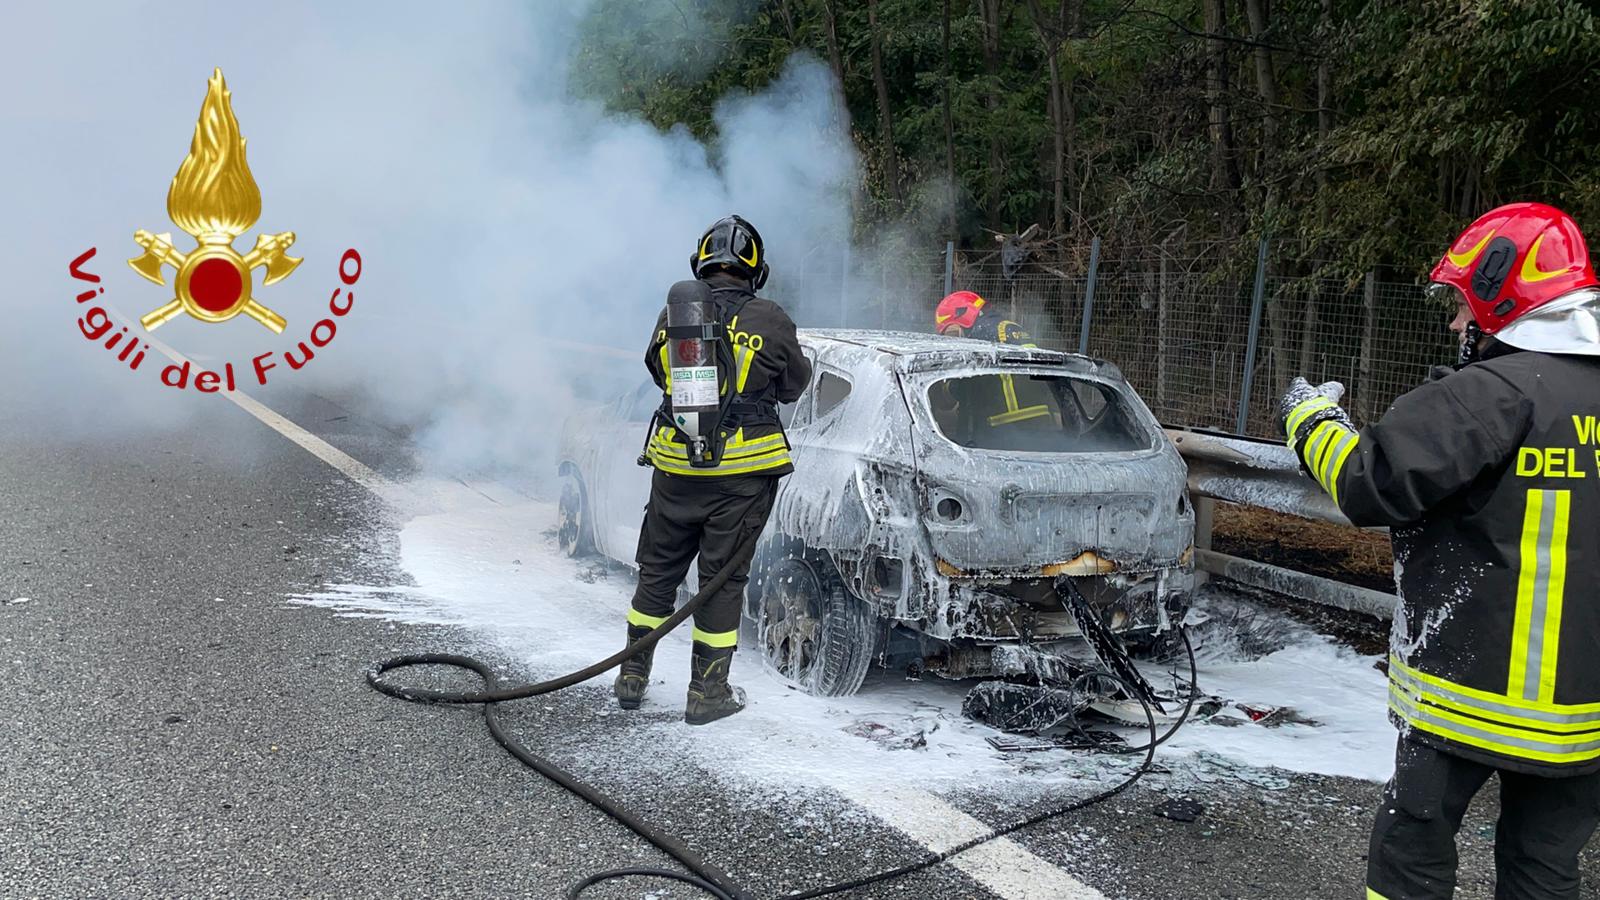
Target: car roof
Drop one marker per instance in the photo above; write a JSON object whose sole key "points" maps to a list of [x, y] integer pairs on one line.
{"points": [[910, 351]]}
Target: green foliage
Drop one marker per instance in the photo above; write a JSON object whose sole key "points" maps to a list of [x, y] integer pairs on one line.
{"points": [[1440, 110]]}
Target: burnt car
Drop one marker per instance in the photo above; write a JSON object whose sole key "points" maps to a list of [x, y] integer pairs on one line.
{"points": [[951, 496]]}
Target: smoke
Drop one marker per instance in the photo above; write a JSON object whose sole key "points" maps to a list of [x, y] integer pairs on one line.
{"points": [[499, 218]]}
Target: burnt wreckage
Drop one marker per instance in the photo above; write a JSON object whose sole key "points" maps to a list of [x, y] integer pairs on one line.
{"points": [[959, 508]]}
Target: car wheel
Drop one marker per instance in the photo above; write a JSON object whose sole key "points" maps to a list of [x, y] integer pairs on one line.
{"points": [[813, 632], [574, 531]]}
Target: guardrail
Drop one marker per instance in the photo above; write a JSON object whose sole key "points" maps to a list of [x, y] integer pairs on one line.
{"points": [[1266, 475]]}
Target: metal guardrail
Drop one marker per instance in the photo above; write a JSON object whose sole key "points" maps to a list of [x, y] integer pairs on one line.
{"points": [[1265, 475], [1252, 472]]}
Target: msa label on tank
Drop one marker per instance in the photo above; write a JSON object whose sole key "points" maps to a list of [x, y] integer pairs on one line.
{"points": [[694, 386]]}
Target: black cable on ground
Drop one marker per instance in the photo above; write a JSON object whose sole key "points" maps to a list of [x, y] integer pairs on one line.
{"points": [[706, 876], [709, 878]]}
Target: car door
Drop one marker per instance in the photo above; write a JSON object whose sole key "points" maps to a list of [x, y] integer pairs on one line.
{"points": [[624, 485]]}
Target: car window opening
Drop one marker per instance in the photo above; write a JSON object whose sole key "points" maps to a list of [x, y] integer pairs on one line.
{"points": [[1035, 414], [831, 391]]}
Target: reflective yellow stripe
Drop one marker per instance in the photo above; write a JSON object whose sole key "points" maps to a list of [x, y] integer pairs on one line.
{"points": [[718, 639], [1541, 586], [1527, 576], [1299, 414], [734, 448], [772, 460], [746, 357], [1495, 708], [1336, 468], [1318, 455], [1314, 444], [1019, 415], [666, 369], [1009, 388], [638, 618], [1374, 895], [678, 459], [1573, 711], [1551, 636], [1339, 443], [676, 455], [1520, 743]]}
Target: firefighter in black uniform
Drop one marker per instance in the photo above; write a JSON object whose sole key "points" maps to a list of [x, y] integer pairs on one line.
{"points": [[710, 511], [1489, 478], [996, 411]]}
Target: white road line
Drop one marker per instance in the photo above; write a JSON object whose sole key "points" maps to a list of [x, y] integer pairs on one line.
{"points": [[1005, 867], [353, 468]]}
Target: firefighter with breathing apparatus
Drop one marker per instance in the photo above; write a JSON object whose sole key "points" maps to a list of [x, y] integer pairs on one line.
{"points": [[724, 359], [1489, 478]]}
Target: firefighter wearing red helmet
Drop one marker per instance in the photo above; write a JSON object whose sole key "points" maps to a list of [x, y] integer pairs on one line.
{"points": [[961, 314], [1489, 479]]}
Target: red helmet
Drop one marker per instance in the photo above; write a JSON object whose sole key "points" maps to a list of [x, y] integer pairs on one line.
{"points": [[960, 308], [1515, 259]]}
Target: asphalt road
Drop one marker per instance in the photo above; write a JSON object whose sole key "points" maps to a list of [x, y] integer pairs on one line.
{"points": [[170, 727]]}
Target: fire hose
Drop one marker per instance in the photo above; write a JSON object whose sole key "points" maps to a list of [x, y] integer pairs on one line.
{"points": [[705, 875]]}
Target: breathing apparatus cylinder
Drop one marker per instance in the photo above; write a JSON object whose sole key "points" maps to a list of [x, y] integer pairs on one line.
{"points": [[698, 370]]}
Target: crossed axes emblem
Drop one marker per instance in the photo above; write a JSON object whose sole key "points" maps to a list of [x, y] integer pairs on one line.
{"points": [[223, 287], [215, 199]]}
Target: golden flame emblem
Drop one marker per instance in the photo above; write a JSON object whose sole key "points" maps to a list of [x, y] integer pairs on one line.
{"points": [[215, 199]]}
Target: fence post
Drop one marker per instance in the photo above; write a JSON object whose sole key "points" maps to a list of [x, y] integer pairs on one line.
{"points": [[844, 288], [949, 267], [1369, 317], [1255, 333], [1161, 334], [1088, 297]]}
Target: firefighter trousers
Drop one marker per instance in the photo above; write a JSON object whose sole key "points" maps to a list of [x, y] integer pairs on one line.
{"points": [[708, 517], [1544, 823]]}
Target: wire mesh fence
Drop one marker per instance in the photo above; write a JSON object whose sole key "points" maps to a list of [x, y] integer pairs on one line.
{"points": [[1178, 324]]}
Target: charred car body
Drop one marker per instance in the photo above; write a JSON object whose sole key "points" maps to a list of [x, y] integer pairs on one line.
{"points": [[950, 497]]}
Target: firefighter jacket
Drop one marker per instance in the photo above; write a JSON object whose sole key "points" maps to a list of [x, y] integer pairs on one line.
{"points": [[768, 369], [1486, 477], [1016, 402]]}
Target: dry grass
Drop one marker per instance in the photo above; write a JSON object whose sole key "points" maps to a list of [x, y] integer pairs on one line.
{"points": [[1320, 548]]}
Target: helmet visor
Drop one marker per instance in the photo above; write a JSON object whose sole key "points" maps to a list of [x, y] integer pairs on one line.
{"points": [[1446, 295]]}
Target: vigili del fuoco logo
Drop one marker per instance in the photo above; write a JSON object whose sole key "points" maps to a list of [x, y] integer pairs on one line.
{"points": [[214, 198]]}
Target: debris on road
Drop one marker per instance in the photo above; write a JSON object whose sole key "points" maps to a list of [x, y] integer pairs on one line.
{"points": [[889, 738], [1180, 810]]}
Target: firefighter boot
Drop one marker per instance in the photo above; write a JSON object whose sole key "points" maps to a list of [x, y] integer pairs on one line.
{"points": [[634, 678], [710, 696]]}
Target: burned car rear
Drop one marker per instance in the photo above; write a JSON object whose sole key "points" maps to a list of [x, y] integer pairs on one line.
{"points": [[958, 507], [946, 491]]}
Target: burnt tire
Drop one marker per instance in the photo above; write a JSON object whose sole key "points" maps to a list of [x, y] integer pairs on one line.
{"points": [[574, 527], [812, 631]]}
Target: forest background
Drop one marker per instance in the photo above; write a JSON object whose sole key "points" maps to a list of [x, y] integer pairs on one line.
{"points": [[1359, 136]]}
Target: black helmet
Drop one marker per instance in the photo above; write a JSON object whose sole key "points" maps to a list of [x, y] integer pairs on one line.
{"points": [[734, 244]]}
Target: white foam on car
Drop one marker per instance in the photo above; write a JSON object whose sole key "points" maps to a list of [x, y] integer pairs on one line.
{"points": [[493, 566]]}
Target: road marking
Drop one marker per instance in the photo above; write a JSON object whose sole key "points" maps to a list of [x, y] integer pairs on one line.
{"points": [[1008, 869], [1004, 866], [353, 468]]}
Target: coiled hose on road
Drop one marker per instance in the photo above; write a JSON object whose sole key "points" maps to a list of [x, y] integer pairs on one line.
{"points": [[706, 876]]}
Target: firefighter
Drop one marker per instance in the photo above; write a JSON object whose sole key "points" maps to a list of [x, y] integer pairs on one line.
{"points": [[1486, 476], [961, 314], [1025, 404], [710, 511]]}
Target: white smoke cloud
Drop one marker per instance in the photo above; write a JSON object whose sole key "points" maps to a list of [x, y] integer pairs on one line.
{"points": [[496, 214]]}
